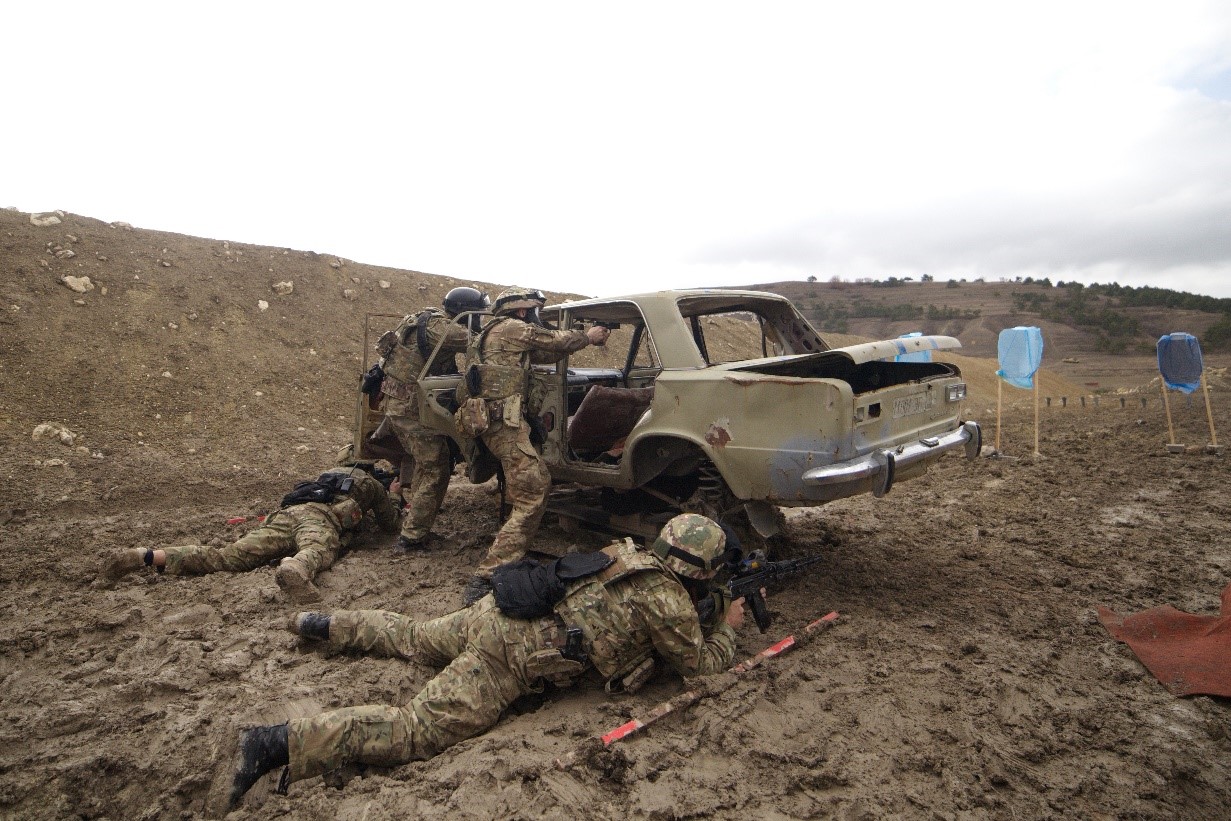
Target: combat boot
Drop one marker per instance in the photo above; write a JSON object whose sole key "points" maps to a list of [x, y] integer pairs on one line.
{"points": [[125, 562], [475, 589], [261, 749], [294, 580], [310, 625], [405, 545]]}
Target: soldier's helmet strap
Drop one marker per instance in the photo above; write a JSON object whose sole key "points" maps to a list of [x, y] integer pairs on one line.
{"points": [[663, 549]]}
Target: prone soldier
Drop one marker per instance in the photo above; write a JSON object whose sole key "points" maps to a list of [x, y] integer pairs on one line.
{"points": [[614, 611], [305, 533]]}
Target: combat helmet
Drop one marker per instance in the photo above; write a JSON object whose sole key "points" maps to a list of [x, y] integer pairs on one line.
{"points": [[348, 512], [511, 299], [692, 546], [460, 300]]}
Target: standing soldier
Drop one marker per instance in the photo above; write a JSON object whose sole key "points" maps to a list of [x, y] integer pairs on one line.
{"points": [[305, 533], [616, 611], [405, 350], [498, 374]]}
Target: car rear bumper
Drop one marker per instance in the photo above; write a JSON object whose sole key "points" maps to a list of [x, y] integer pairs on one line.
{"points": [[883, 465]]}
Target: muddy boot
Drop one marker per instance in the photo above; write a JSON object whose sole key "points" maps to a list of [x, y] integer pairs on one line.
{"points": [[405, 545], [293, 578], [125, 562], [260, 750], [476, 588], [310, 626]]}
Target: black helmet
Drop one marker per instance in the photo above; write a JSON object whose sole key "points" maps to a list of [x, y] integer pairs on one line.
{"points": [[460, 300]]}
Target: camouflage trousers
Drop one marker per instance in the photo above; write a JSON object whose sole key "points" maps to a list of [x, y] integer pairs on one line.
{"points": [[307, 532], [526, 482], [429, 478], [486, 655]]}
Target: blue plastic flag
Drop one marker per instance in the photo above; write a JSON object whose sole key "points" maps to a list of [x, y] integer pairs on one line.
{"points": [[917, 356], [1020, 351], [1179, 361]]}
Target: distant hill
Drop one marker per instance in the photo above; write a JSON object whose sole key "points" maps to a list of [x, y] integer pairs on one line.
{"points": [[1076, 321], [1098, 338]]}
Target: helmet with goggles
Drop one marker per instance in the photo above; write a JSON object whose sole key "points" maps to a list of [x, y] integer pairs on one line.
{"points": [[512, 299]]}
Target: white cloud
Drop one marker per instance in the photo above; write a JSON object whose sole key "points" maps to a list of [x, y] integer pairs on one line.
{"points": [[645, 145]]}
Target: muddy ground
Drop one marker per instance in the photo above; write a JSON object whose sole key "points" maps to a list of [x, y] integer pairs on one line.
{"points": [[968, 675]]}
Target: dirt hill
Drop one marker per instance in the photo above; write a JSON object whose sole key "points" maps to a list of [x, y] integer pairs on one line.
{"points": [[967, 677]]}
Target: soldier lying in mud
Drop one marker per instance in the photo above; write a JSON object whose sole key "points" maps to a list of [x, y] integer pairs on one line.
{"points": [[305, 533], [612, 611]]}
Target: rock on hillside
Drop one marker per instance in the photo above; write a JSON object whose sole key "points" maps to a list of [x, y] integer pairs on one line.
{"points": [[185, 350]]}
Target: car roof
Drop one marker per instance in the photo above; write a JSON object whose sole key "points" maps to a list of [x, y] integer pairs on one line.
{"points": [[673, 296]]}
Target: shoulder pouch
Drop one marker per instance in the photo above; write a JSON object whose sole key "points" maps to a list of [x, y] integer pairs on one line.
{"points": [[526, 589]]}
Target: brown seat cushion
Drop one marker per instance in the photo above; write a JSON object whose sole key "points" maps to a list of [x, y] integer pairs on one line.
{"points": [[607, 415]]}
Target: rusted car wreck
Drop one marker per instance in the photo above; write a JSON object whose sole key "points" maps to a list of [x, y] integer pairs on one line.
{"points": [[719, 401]]}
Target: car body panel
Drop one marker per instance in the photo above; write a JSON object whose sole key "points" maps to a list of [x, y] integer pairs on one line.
{"points": [[743, 387]]}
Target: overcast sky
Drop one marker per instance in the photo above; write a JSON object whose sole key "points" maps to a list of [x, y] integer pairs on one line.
{"points": [[609, 148]]}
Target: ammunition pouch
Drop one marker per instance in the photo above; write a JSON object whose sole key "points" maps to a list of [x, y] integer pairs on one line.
{"points": [[472, 417], [631, 680], [551, 665], [510, 411]]}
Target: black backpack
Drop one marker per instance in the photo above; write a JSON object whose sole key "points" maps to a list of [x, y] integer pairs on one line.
{"points": [[323, 490], [526, 589]]}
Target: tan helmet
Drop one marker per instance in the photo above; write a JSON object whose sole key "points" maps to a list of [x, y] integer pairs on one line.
{"points": [[511, 299], [348, 512], [692, 546]]}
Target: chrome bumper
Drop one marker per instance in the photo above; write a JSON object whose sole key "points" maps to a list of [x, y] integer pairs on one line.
{"points": [[882, 465]]}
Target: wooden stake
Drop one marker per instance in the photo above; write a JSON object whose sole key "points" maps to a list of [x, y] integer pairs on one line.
{"points": [[1209, 413], [1036, 416], [999, 389], [1172, 447]]}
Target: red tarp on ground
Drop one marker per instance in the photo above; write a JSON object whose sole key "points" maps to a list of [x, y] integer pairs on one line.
{"points": [[1189, 654]]}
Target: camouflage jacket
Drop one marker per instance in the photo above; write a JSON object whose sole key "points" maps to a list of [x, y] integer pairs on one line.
{"points": [[637, 608], [404, 356], [370, 495], [508, 343]]}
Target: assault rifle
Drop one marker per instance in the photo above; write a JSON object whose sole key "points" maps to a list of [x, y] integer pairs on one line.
{"points": [[749, 575]]}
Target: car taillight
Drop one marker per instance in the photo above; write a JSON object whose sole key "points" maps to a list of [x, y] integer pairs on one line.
{"points": [[956, 393]]}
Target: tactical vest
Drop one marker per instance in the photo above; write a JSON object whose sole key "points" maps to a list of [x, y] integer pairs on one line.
{"points": [[407, 347], [607, 623], [485, 381]]}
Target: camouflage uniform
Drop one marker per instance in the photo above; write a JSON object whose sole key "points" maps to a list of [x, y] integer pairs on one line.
{"points": [[404, 358], [307, 532], [504, 353], [628, 613]]}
